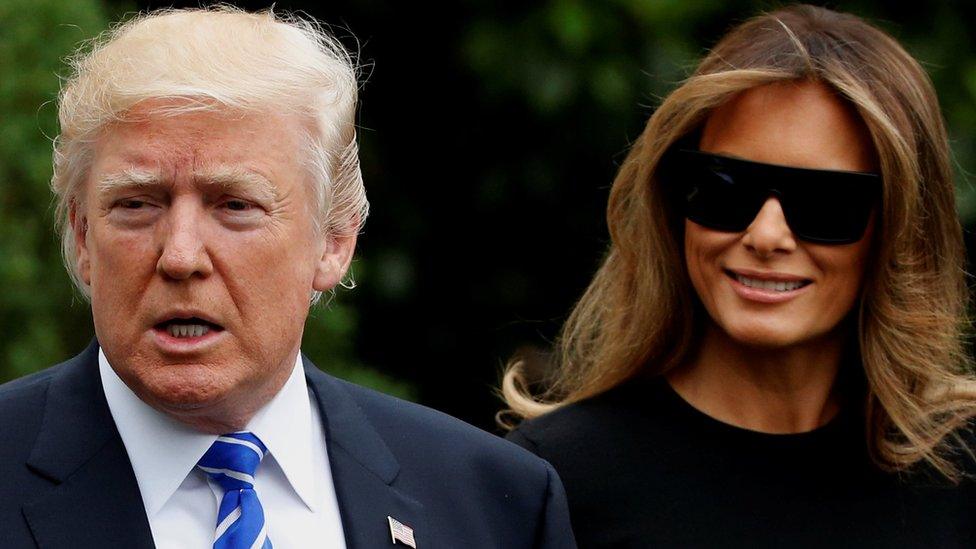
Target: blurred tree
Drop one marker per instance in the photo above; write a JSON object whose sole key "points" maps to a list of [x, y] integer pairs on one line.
{"points": [[41, 320]]}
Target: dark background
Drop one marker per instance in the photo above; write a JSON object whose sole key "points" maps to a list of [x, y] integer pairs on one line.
{"points": [[490, 133]]}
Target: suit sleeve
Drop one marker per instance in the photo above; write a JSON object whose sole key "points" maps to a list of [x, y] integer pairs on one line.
{"points": [[554, 531]]}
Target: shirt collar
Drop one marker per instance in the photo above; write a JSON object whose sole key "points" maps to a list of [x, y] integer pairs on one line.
{"points": [[284, 425], [163, 451]]}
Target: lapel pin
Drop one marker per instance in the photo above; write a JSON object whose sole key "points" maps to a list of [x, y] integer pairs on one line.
{"points": [[401, 532]]}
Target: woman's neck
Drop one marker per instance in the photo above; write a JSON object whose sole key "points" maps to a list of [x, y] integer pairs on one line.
{"points": [[786, 390]]}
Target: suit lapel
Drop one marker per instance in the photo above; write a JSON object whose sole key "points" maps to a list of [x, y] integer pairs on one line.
{"points": [[363, 469], [94, 500]]}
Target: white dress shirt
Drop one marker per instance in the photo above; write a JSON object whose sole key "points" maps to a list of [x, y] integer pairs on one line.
{"points": [[293, 482]]}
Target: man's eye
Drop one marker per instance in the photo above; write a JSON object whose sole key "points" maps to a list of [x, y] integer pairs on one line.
{"points": [[131, 204], [238, 205]]}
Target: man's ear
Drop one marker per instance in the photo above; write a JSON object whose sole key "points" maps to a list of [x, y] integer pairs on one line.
{"points": [[332, 265], [79, 229]]}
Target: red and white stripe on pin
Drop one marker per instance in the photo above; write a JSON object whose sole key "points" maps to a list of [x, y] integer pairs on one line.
{"points": [[401, 532]]}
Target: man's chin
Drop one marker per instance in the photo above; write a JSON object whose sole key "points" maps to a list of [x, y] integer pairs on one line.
{"points": [[210, 411], [182, 387]]}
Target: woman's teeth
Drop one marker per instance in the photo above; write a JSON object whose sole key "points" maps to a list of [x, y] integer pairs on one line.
{"points": [[187, 330], [770, 284]]}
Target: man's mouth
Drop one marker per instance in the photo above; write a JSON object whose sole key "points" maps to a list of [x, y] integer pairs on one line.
{"points": [[188, 327]]}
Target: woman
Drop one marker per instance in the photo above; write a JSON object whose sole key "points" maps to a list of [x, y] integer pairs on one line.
{"points": [[772, 351]]}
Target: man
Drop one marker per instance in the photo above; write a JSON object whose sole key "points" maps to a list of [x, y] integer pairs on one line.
{"points": [[209, 191]]}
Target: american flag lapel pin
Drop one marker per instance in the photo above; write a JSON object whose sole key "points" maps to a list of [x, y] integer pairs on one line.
{"points": [[401, 532]]}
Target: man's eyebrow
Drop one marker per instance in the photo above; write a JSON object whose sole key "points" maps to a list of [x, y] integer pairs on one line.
{"points": [[227, 179], [241, 180], [127, 179]]}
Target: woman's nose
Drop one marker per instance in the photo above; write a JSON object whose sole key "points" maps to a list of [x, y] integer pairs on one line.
{"points": [[769, 233]]}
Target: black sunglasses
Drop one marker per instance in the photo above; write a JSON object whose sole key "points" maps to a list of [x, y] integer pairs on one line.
{"points": [[723, 193]]}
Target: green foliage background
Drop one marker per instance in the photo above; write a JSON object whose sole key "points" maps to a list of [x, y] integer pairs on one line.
{"points": [[592, 67], [42, 322]]}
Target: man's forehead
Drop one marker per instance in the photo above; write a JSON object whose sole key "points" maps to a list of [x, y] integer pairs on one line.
{"points": [[179, 126], [192, 129], [207, 146]]}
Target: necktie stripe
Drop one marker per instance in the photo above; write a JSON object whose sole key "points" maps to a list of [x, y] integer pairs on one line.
{"points": [[243, 477], [231, 456], [227, 522], [230, 501], [262, 536], [244, 530], [249, 438], [249, 444], [231, 462]]}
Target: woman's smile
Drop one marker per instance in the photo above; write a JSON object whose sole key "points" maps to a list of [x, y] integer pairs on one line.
{"points": [[771, 287]]}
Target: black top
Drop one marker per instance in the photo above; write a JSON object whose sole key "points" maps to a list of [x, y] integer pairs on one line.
{"points": [[643, 468]]}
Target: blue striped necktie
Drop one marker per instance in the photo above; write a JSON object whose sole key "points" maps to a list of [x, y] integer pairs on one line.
{"points": [[231, 463]]}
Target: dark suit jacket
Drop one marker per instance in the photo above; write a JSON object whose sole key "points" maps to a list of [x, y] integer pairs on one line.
{"points": [[66, 481]]}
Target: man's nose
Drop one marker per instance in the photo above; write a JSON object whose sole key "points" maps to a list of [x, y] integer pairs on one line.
{"points": [[768, 233], [183, 251]]}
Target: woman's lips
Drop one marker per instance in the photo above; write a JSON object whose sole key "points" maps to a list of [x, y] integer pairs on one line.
{"points": [[772, 288]]}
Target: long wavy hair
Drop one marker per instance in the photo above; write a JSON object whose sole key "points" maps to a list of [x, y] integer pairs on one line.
{"points": [[638, 315]]}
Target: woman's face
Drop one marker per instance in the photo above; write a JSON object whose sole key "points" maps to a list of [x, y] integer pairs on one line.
{"points": [[799, 124]]}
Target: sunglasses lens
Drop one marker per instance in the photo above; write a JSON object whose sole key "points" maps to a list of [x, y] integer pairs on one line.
{"points": [[718, 198], [726, 194], [830, 209]]}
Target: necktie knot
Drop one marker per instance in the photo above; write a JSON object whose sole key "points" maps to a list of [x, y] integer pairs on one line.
{"points": [[232, 460]]}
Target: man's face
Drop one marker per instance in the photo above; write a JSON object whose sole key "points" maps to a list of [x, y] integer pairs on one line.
{"points": [[196, 237]]}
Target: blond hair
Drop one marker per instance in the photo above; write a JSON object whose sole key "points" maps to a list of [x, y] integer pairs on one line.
{"points": [[638, 314], [219, 58]]}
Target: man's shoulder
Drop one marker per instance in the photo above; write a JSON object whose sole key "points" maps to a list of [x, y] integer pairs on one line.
{"points": [[28, 384], [31, 389], [23, 403], [516, 497], [410, 428], [26, 394]]}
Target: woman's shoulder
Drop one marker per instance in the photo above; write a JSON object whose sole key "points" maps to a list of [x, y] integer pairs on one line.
{"points": [[610, 451], [588, 423]]}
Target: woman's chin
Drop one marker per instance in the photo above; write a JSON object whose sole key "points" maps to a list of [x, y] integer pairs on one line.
{"points": [[768, 337]]}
